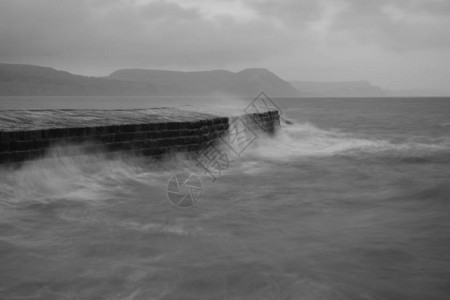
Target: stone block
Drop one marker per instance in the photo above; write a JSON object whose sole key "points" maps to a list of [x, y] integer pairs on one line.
{"points": [[151, 127], [169, 133], [108, 138], [152, 135], [162, 126], [121, 137], [141, 135], [76, 131], [127, 128], [4, 147], [148, 144], [173, 125], [34, 135], [127, 145], [24, 145], [5, 157], [203, 129], [23, 135], [5, 136]]}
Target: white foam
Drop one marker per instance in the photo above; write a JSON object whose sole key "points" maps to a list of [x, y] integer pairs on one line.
{"points": [[72, 175], [307, 140]]}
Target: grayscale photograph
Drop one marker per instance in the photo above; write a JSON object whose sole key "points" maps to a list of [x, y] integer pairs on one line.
{"points": [[224, 149]]}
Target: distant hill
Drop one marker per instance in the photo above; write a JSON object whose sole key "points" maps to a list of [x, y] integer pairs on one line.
{"points": [[31, 80], [338, 89], [247, 83], [418, 93], [41, 81], [28, 80]]}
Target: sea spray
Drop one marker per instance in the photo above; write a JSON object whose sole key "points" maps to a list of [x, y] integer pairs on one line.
{"points": [[351, 202], [307, 140], [70, 172]]}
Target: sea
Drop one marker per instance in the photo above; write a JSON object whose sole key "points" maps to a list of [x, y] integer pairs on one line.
{"points": [[349, 200]]}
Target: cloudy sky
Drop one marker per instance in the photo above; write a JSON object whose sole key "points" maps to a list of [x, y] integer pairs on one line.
{"points": [[396, 44]]}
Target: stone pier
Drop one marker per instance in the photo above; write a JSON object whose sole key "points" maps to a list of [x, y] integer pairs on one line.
{"points": [[28, 134]]}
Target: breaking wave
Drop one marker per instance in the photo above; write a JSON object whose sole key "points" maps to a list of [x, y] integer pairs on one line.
{"points": [[91, 226], [72, 175], [307, 140]]}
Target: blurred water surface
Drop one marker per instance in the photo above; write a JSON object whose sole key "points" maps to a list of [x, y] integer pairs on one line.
{"points": [[349, 202]]}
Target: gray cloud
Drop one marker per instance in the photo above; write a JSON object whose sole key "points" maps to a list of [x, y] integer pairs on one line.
{"points": [[299, 39], [405, 25], [290, 12], [116, 32]]}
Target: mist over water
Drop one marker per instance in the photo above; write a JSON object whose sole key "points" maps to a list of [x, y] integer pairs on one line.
{"points": [[349, 202]]}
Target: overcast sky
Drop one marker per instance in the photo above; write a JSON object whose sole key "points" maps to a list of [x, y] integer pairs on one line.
{"points": [[392, 43]]}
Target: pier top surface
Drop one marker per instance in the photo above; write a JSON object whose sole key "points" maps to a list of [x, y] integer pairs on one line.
{"points": [[22, 120]]}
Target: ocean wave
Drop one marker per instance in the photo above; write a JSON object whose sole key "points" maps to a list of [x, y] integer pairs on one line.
{"points": [[76, 176], [65, 175], [308, 140]]}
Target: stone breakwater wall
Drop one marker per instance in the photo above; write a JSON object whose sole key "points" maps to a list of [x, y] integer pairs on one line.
{"points": [[267, 122], [26, 135]]}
